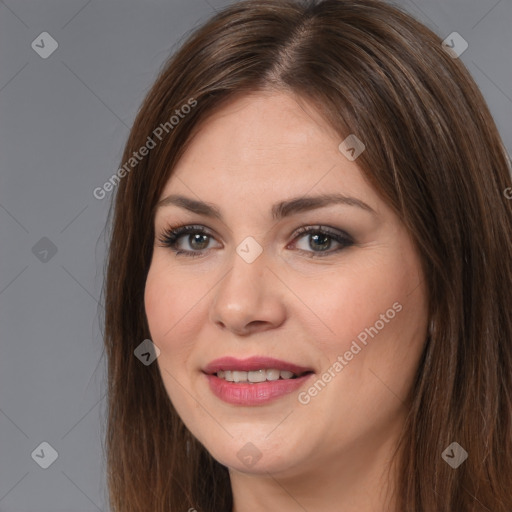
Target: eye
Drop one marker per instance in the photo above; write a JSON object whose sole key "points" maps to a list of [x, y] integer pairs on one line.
{"points": [[320, 240], [196, 236]]}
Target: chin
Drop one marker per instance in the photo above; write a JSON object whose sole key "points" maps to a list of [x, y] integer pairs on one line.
{"points": [[256, 462], [253, 451]]}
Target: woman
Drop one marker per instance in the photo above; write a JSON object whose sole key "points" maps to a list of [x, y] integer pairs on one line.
{"points": [[309, 287]]}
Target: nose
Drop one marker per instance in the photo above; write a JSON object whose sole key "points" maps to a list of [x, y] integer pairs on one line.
{"points": [[249, 298]]}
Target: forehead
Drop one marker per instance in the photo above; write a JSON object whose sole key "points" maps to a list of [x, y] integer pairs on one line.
{"points": [[267, 145], [260, 126]]}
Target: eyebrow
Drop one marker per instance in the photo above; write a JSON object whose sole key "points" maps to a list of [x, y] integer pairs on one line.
{"points": [[279, 210]]}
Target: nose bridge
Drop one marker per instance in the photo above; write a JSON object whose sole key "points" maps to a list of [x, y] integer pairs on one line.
{"points": [[245, 295], [244, 283]]}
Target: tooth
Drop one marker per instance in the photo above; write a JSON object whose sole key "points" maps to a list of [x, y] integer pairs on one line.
{"points": [[272, 374], [239, 376], [257, 376], [254, 376]]}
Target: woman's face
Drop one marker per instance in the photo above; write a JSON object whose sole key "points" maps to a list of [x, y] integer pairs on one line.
{"points": [[343, 307]]}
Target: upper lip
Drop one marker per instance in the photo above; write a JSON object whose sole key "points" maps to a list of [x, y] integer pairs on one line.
{"points": [[252, 364]]}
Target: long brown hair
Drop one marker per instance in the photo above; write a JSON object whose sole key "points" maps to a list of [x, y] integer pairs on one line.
{"points": [[434, 155]]}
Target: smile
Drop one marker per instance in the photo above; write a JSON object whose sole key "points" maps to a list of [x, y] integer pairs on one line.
{"points": [[255, 376], [254, 381]]}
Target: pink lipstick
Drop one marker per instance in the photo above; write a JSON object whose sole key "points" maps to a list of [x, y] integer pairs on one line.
{"points": [[254, 381]]}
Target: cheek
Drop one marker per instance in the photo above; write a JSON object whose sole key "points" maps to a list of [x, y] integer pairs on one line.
{"points": [[347, 301], [375, 316], [170, 307], [170, 315], [157, 294]]}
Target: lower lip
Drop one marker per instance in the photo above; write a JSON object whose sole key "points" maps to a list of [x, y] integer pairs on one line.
{"points": [[244, 393]]}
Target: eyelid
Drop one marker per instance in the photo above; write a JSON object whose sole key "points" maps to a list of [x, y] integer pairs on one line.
{"points": [[180, 230], [172, 234], [296, 232], [324, 228], [338, 236]]}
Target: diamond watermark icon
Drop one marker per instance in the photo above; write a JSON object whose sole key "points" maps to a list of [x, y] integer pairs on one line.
{"points": [[44, 250], [249, 455], [45, 455], [44, 45], [454, 455], [351, 147], [147, 352], [455, 45], [249, 249]]}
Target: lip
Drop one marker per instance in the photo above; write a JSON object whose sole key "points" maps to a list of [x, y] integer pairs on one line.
{"points": [[250, 394], [253, 364]]}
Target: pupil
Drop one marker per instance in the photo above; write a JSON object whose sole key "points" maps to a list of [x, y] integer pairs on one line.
{"points": [[196, 237], [324, 245]]}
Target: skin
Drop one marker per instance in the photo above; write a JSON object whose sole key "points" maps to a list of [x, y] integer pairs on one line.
{"points": [[332, 453]]}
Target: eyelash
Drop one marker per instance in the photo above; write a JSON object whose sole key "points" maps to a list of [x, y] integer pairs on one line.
{"points": [[171, 235]]}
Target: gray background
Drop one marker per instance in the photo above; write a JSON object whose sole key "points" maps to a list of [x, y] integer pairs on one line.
{"points": [[63, 123]]}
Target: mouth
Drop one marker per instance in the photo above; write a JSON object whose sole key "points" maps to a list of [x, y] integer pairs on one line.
{"points": [[255, 376], [254, 381]]}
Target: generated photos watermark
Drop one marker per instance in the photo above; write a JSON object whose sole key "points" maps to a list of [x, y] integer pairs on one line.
{"points": [[304, 397], [137, 156]]}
